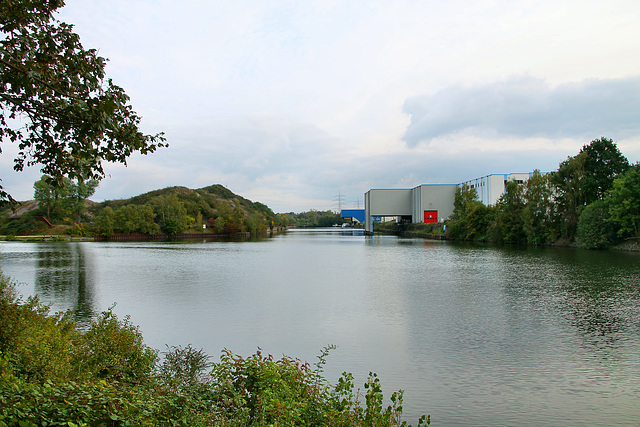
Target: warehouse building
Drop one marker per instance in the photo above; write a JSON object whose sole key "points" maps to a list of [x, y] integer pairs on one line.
{"points": [[431, 203]]}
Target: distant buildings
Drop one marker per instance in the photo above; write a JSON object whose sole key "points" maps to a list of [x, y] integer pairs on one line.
{"points": [[431, 203]]}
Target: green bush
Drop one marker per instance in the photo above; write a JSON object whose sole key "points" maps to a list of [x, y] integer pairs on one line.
{"points": [[595, 231], [25, 224], [79, 230], [261, 390], [114, 349]]}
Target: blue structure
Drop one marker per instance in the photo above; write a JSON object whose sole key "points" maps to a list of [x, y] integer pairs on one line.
{"points": [[355, 214]]}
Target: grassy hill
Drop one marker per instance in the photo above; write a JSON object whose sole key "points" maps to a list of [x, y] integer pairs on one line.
{"points": [[169, 210]]}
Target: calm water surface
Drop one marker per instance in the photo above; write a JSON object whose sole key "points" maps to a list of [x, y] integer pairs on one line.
{"points": [[475, 335]]}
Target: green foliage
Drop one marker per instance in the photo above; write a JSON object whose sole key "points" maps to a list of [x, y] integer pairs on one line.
{"points": [[261, 390], [604, 163], [585, 178], [65, 197], [125, 219], [253, 223], [171, 213], [538, 212], [26, 224], [465, 199], [105, 223], [55, 100], [79, 191], [624, 202], [51, 197], [115, 349], [509, 223], [595, 230], [471, 218], [313, 218], [479, 221], [176, 209], [135, 219], [184, 368], [79, 230]]}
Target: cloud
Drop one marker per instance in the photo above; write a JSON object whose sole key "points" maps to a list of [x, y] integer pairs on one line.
{"points": [[528, 107]]}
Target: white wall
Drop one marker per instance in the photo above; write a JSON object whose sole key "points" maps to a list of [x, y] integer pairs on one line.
{"points": [[491, 187]]}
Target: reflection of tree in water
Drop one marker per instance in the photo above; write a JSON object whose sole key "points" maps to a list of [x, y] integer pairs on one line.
{"points": [[61, 280], [598, 295], [595, 293]]}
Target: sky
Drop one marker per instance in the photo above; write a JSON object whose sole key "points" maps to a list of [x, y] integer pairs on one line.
{"points": [[309, 104]]}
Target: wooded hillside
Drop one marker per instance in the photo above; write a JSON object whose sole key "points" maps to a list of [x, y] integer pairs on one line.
{"points": [[213, 209]]}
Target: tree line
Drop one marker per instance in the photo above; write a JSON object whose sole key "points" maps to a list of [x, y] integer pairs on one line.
{"points": [[312, 218], [592, 199]]}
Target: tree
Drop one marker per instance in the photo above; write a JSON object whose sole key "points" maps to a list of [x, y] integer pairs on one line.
{"points": [[624, 202], [595, 230], [509, 219], [50, 197], [80, 191], [568, 182], [146, 223], [465, 199], [585, 178], [603, 164], [469, 214], [55, 100], [126, 219], [105, 222], [238, 216], [171, 213], [538, 209], [253, 223]]}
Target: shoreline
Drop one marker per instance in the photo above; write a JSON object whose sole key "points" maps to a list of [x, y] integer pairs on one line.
{"points": [[630, 245]]}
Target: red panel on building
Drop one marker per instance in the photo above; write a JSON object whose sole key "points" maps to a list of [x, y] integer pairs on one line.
{"points": [[430, 216]]}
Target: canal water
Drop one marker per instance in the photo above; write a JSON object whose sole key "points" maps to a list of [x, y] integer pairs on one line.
{"points": [[474, 334]]}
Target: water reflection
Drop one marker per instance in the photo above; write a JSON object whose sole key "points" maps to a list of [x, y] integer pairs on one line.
{"points": [[586, 289], [64, 275]]}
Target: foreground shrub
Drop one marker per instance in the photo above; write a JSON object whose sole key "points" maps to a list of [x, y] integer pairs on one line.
{"points": [[261, 390]]}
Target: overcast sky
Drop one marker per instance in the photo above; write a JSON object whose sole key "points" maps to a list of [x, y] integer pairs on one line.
{"points": [[293, 103]]}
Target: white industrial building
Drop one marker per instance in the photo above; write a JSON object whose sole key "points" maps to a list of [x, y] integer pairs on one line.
{"points": [[430, 203]]}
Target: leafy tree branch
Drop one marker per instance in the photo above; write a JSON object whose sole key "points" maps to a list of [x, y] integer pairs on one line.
{"points": [[56, 102]]}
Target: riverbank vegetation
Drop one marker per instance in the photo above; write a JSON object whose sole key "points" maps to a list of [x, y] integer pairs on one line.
{"points": [[52, 374], [592, 200]]}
